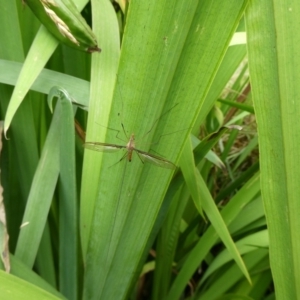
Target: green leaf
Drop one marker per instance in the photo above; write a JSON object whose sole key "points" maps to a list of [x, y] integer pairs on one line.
{"points": [[230, 276], [65, 22], [190, 175], [76, 87], [177, 40], [199, 252], [217, 222], [20, 270], [13, 287], [40, 51], [42, 187], [68, 214], [103, 77], [238, 105], [273, 43], [250, 243]]}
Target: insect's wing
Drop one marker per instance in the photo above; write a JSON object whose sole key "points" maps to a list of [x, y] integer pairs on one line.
{"points": [[156, 160], [102, 147]]}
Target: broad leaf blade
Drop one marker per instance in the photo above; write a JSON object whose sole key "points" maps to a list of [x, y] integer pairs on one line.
{"points": [[130, 195], [273, 43]]}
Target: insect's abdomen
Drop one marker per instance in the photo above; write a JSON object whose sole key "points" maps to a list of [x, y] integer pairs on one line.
{"points": [[129, 155]]}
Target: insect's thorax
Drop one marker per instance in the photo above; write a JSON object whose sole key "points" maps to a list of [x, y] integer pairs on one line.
{"points": [[131, 144], [130, 147]]}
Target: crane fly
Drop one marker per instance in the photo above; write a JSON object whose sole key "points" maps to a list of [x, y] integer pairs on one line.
{"points": [[130, 148]]}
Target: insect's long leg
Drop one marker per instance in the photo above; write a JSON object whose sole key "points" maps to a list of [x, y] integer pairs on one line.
{"points": [[120, 93], [124, 155], [159, 119], [157, 153], [157, 142], [139, 156], [79, 130], [116, 130], [124, 131]]}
